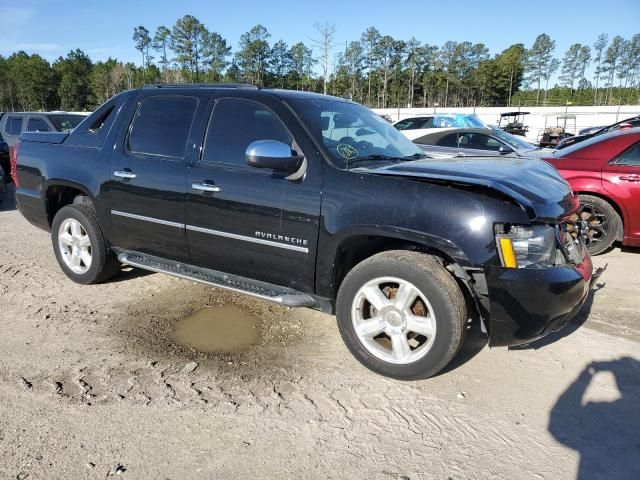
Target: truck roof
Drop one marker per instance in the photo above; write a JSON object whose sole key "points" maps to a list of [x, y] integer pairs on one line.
{"points": [[281, 93]]}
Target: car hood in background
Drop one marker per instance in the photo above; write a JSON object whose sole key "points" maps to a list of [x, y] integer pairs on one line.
{"points": [[534, 184]]}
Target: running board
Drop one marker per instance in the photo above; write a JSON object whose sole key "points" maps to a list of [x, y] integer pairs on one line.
{"points": [[265, 291]]}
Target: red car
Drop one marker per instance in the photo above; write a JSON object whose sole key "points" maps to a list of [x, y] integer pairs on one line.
{"points": [[605, 172]]}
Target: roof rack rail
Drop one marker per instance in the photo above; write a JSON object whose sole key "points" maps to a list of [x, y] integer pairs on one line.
{"points": [[204, 85]]}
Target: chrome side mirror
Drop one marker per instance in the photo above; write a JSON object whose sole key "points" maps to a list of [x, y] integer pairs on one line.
{"points": [[274, 155]]}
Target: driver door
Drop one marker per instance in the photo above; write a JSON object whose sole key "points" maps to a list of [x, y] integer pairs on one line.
{"points": [[247, 221]]}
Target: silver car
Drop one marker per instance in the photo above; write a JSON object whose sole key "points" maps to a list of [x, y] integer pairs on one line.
{"points": [[474, 142]]}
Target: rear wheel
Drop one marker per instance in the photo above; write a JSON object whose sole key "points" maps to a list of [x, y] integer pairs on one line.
{"points": [[602, 223], [80, 246], [401, 314]]}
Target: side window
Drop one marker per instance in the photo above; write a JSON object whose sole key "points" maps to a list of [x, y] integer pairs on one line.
{"points": [[234, 125], [161, 126], [13, 125], [404, 124], [450, 140], [483, 142], [631, 157], [37, 125]]}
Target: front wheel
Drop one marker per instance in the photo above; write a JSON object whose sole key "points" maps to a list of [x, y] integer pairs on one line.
{"points": [[401, 314], [80, 246], [602, 223]]}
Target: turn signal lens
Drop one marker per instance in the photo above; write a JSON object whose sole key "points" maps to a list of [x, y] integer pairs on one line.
{"points": [[508, 255]]}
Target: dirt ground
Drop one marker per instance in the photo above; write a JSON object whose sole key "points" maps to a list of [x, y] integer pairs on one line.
{"points": [[93, 383]]}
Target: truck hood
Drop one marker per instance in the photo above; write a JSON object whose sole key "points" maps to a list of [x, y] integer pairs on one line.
{"points": [[534, 184]]}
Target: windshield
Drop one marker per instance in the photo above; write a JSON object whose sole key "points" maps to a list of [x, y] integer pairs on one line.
{"points": [[352, 134], [66, 123], [513, 140]]}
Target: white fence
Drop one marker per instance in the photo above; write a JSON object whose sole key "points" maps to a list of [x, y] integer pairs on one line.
{"points": [[539, 118]]}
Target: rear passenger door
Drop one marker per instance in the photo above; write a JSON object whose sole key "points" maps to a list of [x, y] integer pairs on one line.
{"points": [[257, 223], [147, 187]]}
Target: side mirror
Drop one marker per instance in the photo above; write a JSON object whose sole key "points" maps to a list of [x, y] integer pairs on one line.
{"points": [[274, 155], [505, 150]]}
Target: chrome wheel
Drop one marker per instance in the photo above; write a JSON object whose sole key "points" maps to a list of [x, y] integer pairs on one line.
{"points": [[75, 246], [393, 320]]}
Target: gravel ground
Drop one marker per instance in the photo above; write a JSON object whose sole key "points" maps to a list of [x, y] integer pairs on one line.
{"points": [[92, 384]]}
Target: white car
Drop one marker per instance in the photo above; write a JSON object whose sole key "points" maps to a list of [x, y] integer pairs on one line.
{"points": [[416, 127]]}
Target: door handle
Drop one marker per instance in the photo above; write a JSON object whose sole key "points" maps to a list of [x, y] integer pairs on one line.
{"points": [[205, 186], [124, 174], [630, 178]]}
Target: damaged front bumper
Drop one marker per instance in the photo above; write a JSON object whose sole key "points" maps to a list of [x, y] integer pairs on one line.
{"points": [[526, 303]]}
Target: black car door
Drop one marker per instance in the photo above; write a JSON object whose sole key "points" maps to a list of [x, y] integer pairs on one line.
{"points": [[149, 165], [247, 221]]}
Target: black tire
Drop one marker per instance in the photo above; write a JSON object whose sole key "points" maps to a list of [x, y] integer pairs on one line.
{"points": [[104, 263], [439, 287], [604, 223], [3, 185]]}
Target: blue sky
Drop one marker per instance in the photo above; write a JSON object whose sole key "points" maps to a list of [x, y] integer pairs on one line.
{"points": [[104, 28]]}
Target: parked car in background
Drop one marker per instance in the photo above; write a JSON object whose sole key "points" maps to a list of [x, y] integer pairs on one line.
{"points": [[415, 127], [605, 173], [588, 133], [4, 168], [473, 142], [12, 124]]}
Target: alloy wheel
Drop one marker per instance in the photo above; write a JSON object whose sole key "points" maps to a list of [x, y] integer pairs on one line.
{"points": [[393, 320], [75, 246]]}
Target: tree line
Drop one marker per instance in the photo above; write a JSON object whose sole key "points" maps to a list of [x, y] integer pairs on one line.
{"points": [[375, 69]]}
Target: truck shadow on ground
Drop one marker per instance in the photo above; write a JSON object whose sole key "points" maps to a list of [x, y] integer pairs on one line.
{"points": [[473, 344], [603, 433], [9, 202]]}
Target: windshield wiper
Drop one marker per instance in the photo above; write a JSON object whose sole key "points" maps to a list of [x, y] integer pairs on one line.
{"points": [[379, 156], [417, 156]]}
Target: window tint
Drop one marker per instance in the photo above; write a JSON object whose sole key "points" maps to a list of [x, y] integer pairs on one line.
{"points": [[161, 126], [415, 123], [37, 125], [66, 123], [13, 125], [478, 141], [237, 123], [450, 140], [630, 157]]}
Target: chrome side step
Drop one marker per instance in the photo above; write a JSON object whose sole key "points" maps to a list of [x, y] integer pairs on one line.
{"points": [[264, 291]]}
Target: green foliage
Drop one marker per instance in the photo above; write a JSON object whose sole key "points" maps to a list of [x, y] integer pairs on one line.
{"points": [[374, 69]]}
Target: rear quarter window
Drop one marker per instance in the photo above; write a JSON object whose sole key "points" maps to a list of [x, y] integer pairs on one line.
{"points": [[161, 126], [13, 125]]}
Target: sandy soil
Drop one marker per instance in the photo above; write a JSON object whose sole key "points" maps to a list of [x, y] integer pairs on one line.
{"points": [[92, 384]]}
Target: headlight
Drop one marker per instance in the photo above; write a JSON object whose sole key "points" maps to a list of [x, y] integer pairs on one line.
{"points": [[527, 247]]}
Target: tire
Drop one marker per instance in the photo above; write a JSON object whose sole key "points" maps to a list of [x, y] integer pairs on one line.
{"points": [[604, 223], [433, 343], [84, 253], [3, 185]]}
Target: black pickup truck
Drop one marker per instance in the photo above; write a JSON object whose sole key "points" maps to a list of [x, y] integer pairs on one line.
{"points": [[311, 201]]}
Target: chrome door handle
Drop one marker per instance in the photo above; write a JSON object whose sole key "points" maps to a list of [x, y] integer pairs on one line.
{"points": [[630, 178], [205, 187], [124, 174]]}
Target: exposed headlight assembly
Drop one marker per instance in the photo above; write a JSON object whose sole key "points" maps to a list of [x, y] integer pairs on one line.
{"points": [[527, 247]]}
